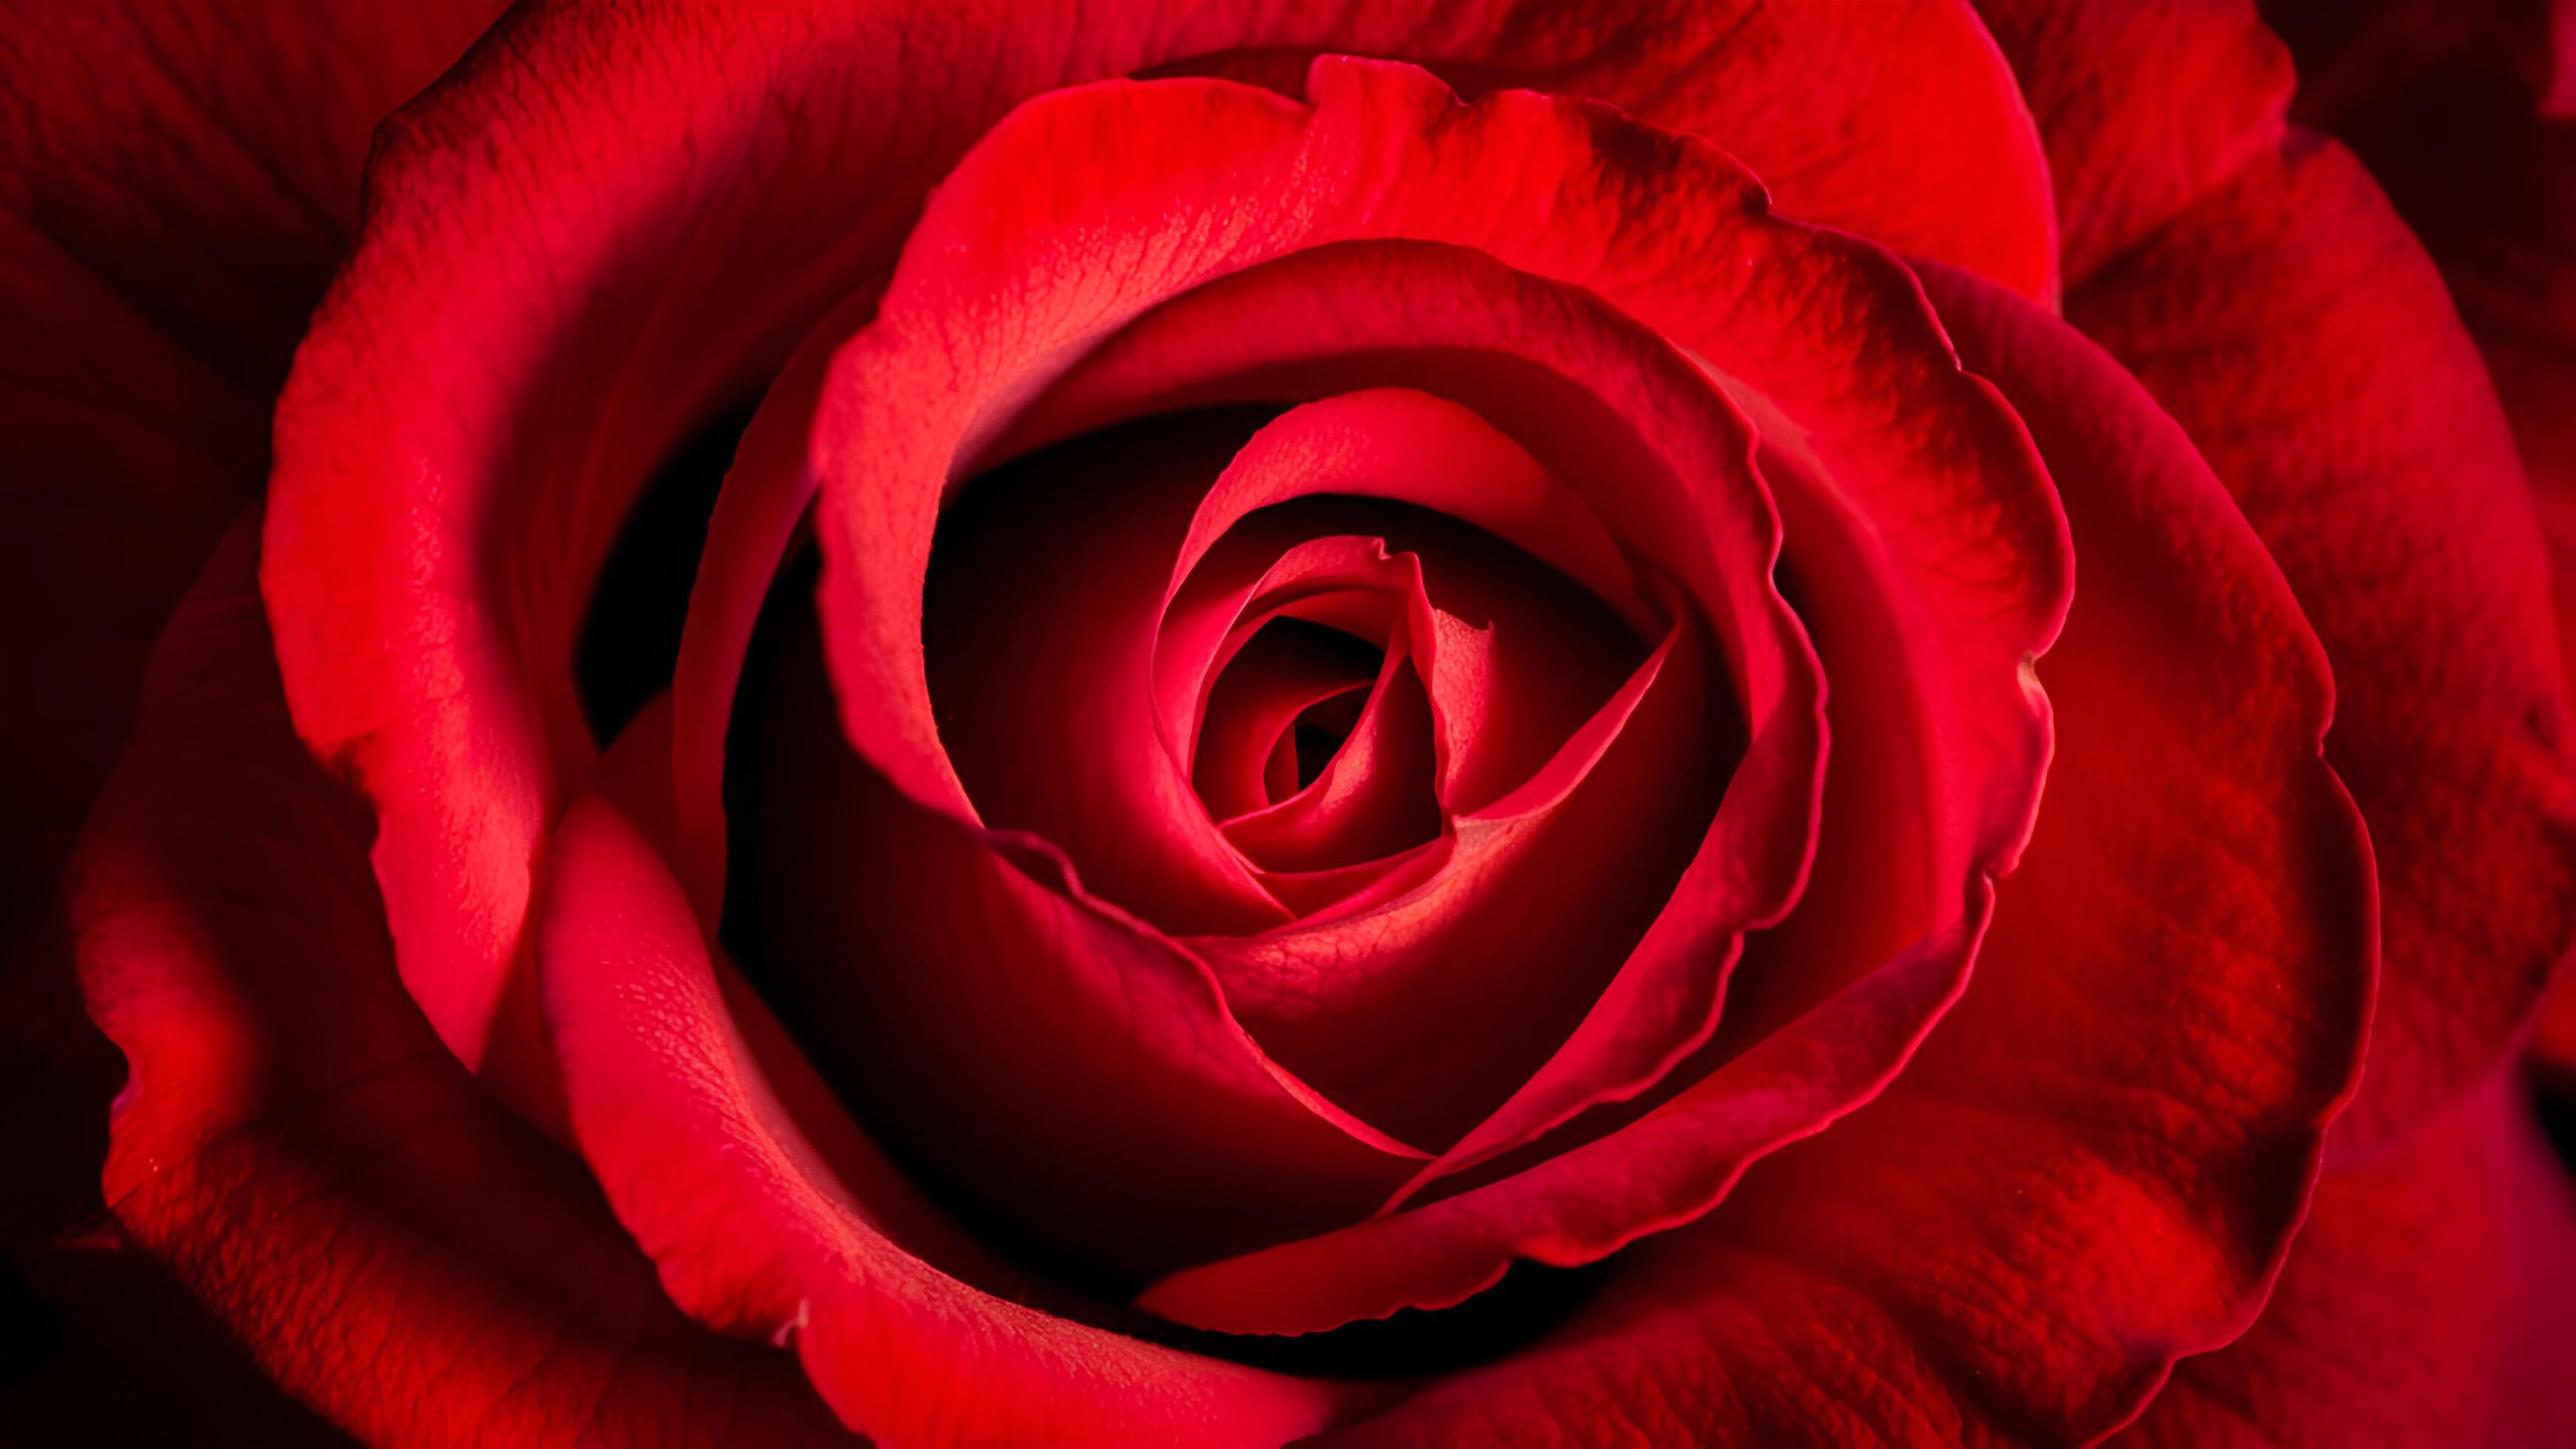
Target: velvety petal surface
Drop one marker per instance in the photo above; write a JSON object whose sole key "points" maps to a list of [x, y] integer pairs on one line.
{"points": [[2460, 113], [2300, 335], [2431, 1299], [388, 1242]]}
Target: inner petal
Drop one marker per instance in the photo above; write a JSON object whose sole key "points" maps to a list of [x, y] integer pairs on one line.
{"points": [[1259, 713], [1370, 797]]}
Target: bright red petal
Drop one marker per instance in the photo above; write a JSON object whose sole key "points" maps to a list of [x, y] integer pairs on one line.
{"points": [[389, 1244]]}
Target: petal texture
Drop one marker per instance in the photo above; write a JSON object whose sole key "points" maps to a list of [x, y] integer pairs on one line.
{"points": [[2428, 1301], [2298, 333], [389, 1244]]}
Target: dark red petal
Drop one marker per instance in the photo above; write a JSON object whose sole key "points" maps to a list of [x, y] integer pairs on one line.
{"points": [[497, 327], [1036, 632], [176, 185], [2143, 105], [202, 165], [2096, 1162], [123, 1317], [2361, 60], [2430, 1299], [386, 1240], [1254, 710], [1377, 797], [2297, 332], [758, 1230], [1068, 1065], [2447, 104]]}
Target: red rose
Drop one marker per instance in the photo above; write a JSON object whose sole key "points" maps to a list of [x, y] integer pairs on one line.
{"points": [[1825, 665]]}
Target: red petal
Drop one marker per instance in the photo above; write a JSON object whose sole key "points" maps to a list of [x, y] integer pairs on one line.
{"points": [[1422, 1010], [2445, 103], [1061, 1060], [2144, 105], [1893, 119], [757, 1231], [2096, 1163], [2295, 329], [389, 1244], [1037, 634], [1253, 709], [1248, 155], [1376, 798], [1507, 691], [2430, 1300]]}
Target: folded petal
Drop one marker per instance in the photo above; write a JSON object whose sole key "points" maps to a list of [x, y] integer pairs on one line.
{"points": [[2429, 1300], [1074, 1070], [2298, 333], [386, 1240], [759, 1231], [2449, 107]]}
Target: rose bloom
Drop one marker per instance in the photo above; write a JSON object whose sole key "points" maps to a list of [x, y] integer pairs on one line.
{"points": [[1625, 721]]}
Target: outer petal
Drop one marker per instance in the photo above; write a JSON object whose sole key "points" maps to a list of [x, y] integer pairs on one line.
{"points": [[2431, 1299], [2143, 105], [2450, 106], [388, 1243], [2298, 333], [2096, 1163], [499, 326], [176, 185]]}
